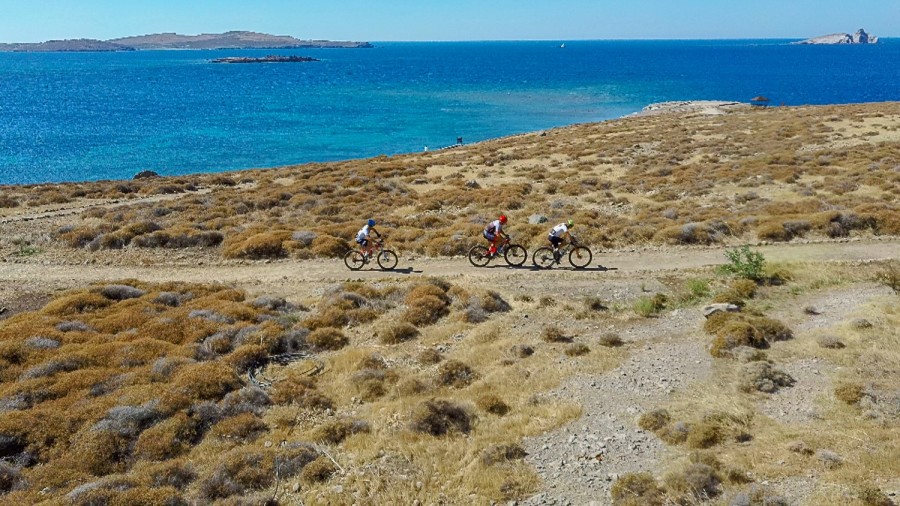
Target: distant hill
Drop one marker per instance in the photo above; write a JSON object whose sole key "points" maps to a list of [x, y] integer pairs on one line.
{"points": [[73, 45], [228, 40]]}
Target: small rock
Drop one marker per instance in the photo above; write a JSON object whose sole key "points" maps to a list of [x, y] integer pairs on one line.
{"points": [[537, 219], [295, 487], [719, 308]]}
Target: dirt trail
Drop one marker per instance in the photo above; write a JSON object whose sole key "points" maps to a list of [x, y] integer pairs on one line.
{"points": [[287, 274]]}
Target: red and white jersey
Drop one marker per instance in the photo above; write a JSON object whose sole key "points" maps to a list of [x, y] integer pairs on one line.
{"points": [[494, 227], [559, 230]]}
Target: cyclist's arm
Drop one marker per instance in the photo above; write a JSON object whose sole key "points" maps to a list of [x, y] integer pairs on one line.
{"points": [[375, 232]]}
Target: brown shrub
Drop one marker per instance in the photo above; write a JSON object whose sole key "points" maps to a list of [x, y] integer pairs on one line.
{"points": [[398, 332], [439, 417], [300, 391], [502, 453], [577, 350], [455, 374], [242, 427], [425, 309], [849, 393], [167, 439], [772, 232], [553, 334], [610, 340], [830, 342], [492, 404], [704, 434], [238, 472], [637, 489], [205, 381], [318, 471], [327, 338], [694, 483], [337, 431], [430, 356], [76, 303], [674, 433], [654, 420], [329, 247], [257, 246]]}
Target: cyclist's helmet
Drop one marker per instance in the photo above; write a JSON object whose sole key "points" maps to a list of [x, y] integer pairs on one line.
{"points": [[570, 223], [371, 223], [503, 219]]}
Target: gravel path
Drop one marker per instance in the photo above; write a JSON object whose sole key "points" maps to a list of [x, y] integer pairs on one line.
{"points": [[580, 461]]}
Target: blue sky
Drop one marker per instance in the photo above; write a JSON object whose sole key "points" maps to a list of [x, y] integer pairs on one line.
{"points": [[383, 20]]}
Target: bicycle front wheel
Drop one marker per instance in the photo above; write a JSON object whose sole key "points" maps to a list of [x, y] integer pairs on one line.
{"points": [[543, 258], [479, 256], [580, 257], [354, 260], [387, 260], [515, 255]]}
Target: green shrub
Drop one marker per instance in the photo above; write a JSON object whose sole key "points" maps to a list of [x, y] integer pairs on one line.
{"points": [[744, 263]]}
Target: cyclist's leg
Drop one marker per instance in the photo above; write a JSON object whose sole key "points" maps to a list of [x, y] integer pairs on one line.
{"points": [[555, 242]]}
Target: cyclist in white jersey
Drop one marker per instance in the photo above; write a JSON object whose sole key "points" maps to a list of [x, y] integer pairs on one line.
{"points": [[557, 234], [362, 237], [494, 232]]}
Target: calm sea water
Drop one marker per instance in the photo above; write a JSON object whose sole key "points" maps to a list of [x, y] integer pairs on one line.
{"points": [[76, 117]]}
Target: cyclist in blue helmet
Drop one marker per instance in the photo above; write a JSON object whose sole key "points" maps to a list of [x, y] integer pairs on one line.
{"points": [[558, 233], [362, 237]]}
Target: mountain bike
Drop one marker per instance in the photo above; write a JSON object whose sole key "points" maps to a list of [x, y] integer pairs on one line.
{"points": [[356, 259], [514, 254], [579, 256]]}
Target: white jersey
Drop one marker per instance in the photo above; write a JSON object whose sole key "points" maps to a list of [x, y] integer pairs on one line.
{"points": [[559, 230], [363, 233], [495, 227]]}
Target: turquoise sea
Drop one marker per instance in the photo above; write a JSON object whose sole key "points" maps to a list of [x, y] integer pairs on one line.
{"points": [[88, 116]]}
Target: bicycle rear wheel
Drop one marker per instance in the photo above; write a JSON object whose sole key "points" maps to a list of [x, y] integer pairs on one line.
{"points": [[515, 255], [387, 260], [354, 260], [580, 257], [543, 258], [479, 256]]}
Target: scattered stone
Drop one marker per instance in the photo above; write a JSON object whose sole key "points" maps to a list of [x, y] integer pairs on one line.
{"points": [[720, 308], [537, 219], [861, 324], [473, 184]]}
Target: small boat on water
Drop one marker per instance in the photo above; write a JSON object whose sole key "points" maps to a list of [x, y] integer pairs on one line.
{"points": [[562, 45]]}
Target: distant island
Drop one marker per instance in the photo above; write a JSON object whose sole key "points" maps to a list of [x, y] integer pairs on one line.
{"points": [[265, 59], [860, 37], [228, 40]]}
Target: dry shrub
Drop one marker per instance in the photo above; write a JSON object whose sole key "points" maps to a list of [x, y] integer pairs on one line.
{"points": [[327, 338], [76, 303], [301, 391], [247, 357], [256, 246], [522, 350], [492, 404], [849, 393], [329, 247], [175, 474], [430, 356], [497, 454], [438, 417], [774, 232], [695, 482], [371, 383], [830, 342], [871, 495], [167, 439], [577, 350], [238, 472], [637, 489], [243, 427], [398, 332], [704, 434], [553, 334], [455, 374], [208, 380], [610, 340], [318, 471], [743, 288], [654, 420], [762, 377], [99, 452], [337, 431], [674, 433], [426, 304], [10, 478]]}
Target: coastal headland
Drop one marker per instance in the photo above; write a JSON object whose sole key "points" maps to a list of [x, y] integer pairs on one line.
{"points": [[192, 339], [227, 40]]}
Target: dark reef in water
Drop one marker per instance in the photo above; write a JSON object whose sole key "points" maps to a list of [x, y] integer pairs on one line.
{"points": [[264, 59]]}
